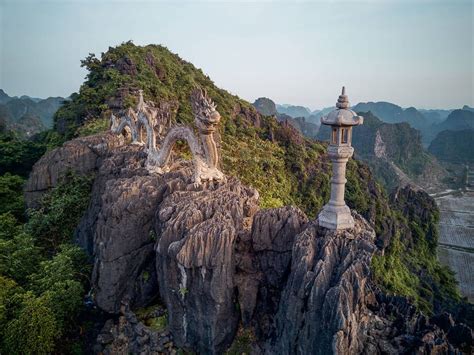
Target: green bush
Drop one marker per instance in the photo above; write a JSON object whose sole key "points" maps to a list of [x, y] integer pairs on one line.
{"points": [[11, 195], [94, 126], [34, 330], [61, 209], [17, 155]]}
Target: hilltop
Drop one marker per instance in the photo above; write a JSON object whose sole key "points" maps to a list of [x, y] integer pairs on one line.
{"points": [[219, 257], [271, 156]]}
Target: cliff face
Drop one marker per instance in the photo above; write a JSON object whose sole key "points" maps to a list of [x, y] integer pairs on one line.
{"points": [[215, 261]]}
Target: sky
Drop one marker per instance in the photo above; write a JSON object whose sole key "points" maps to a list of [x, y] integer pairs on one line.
{"points": [[412, 53]]}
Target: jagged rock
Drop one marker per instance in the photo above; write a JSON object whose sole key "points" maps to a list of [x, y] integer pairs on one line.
{"points": [[126, 66], [251, 117], [124, 242], [265, 106], [79, 155], [324, 298], [263, 260], [197, 228], [128, 335], [396, 327]]}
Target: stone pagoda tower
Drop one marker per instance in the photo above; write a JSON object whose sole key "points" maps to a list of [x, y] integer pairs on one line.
{"points": [[335, 214]]}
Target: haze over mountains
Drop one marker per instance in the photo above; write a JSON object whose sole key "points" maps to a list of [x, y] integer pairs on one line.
{"points": [[401, 145], [27, 115]]}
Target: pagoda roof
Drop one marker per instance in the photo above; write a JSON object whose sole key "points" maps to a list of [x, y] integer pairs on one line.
{"points": [[342, 115]]}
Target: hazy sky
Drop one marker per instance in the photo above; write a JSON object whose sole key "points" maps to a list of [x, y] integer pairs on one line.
{"points": [[413, 53]]}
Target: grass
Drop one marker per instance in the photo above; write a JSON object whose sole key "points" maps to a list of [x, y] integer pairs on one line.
{"points": [[242, 343]]}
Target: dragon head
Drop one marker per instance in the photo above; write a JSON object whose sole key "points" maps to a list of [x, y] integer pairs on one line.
{"points": [[206, 116]]}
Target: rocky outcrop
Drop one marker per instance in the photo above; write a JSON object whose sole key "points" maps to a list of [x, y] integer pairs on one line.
{"points": [[263, 260], [79, 155], [265, 106], [325, 296], [129, 335], [396, 327], [123, 243], [197, 231]]}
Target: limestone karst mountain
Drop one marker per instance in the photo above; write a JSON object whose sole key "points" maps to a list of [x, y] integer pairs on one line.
{"points": [[294, 111], [395, 154], [435, 116], [303, 124], [451, 140], [218, 262], [240, 261], [26, 115], [392, 113], [457, 120], [455, 146], [265, 106]]}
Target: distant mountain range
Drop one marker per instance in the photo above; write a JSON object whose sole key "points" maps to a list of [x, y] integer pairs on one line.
{"points": [[293, 111], [267, 107], [429, 122], [27, 115]]}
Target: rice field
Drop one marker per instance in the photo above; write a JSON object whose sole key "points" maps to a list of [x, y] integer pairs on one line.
{"points": [[462, 263], [456, 242]]}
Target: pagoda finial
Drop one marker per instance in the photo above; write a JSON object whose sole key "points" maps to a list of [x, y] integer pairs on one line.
{"points": [[343, 101]]}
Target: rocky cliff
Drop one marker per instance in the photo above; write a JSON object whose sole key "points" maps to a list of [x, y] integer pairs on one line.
{"points": [[217, 262]]}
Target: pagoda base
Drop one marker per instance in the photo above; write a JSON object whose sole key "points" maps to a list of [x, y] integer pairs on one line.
{"points": [[336, 217]]}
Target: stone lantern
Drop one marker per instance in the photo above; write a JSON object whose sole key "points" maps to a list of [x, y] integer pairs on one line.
{"points": [[336, 214]]}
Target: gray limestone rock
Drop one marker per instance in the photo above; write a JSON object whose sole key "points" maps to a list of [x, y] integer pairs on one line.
{"points": [[323, 307], [80, 155], [197, 229], [263, 263]]}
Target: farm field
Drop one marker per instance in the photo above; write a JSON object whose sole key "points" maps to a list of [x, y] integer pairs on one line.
{"points": [[456, 241]]}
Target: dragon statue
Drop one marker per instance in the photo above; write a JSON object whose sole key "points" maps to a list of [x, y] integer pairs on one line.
{"points": [[203, 147], [137, 122]]}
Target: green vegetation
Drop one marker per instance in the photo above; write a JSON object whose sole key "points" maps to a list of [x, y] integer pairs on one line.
{"points": [[17, 156], [93, 126], [11, 196], [157, 324], [410, 267], [148, 317], [242, 343], [43, 276]]}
